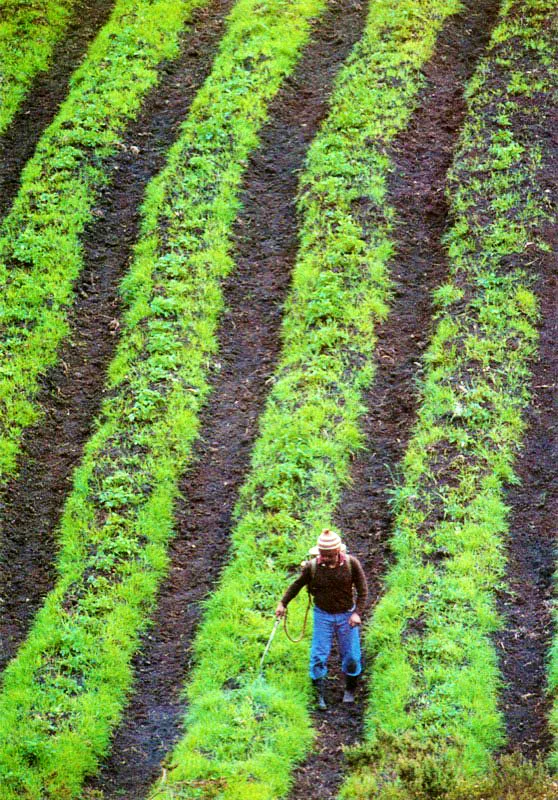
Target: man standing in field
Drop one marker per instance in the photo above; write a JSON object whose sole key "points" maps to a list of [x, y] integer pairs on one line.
{"points": [[333, 579]]}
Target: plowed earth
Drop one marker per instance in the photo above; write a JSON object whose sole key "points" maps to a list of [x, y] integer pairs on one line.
{"points": [[265, 249], [422, 155], [527, 604], [31, 505], [45, 95], [265, 239]]}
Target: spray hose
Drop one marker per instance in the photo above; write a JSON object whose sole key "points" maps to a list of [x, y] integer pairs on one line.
{"points": [[287, 634], [297, 639]]}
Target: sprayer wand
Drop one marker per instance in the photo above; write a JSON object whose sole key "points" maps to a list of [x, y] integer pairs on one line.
{"points": [[289, 637], [268, 645]]}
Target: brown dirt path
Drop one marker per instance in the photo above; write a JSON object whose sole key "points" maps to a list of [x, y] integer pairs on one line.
{"points": [[31, 505], [266, 245], [527, 605], [45, 95], [422, 155]]}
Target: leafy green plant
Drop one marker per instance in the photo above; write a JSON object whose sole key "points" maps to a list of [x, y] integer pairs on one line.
{"points": [[28, 35], [426, 774], [40, 240], [69, 680], [433, 721]]}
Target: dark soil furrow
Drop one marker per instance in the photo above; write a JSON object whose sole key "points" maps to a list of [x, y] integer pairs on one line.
{"points": [[266, 244], [72, 391], [422, 155], [527, 605], [45, 95]]}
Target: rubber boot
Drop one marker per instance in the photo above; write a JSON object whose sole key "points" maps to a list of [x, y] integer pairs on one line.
{"points": [[350, 688], [319, 687]]}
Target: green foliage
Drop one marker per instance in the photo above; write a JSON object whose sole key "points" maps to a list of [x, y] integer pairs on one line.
{"points": [[433, 721], [40, 249], [236, 744], [28, 35], [64, 692], [424, 773]]}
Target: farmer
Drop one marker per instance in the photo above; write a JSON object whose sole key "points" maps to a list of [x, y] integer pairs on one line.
{"points": [[332, 578]]}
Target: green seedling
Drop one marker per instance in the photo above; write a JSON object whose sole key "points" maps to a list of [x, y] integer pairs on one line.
{"points": [[28, 35], [41, 252], [433, 720], [70, 679]]}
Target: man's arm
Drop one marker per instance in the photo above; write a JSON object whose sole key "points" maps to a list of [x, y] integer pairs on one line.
{"points": [[361, 586], [295, 587]]}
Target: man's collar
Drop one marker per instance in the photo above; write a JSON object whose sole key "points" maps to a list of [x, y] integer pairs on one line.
{"points": [[340, 561]]}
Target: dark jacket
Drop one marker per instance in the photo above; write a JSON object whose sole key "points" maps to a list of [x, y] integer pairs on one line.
{"points": [[333, 588]]}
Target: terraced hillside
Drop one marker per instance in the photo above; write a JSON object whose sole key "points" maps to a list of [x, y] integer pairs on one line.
{"points": [[266, 267]]}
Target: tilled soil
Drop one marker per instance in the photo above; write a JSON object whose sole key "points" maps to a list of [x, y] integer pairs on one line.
{"points": [[45, 95], [266, 244], [527, 603], [31, 505], [266, 247], [422, 155]]}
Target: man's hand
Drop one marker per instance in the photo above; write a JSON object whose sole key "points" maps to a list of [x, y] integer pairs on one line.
{"points": [[354, 619], [280, 611]]}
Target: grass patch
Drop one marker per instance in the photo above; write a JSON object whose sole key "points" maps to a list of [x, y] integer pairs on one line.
{"points": [[433, 722], [244, 733], [28, 35], [65, 690], [40, 250], [427, 776]]}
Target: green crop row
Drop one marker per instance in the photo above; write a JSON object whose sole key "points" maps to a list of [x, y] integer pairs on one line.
{"points": [[64, 691], [245, 732], [40, 249], [28, 35], [433, 721]]}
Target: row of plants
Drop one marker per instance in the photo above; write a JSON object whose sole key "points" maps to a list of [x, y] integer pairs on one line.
{"points": [[433, 722], [64, 692], [244, 732], [28, 35], [41, 253], [553, 660]]}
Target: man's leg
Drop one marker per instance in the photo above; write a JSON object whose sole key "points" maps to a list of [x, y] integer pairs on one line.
{"points": [[322, 637], [349, 647]]}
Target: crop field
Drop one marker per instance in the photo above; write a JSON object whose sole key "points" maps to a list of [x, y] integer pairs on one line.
{"points": [[270, 266]]}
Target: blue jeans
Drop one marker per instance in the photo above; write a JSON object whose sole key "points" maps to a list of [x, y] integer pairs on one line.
{"points": [[325, 627]]}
